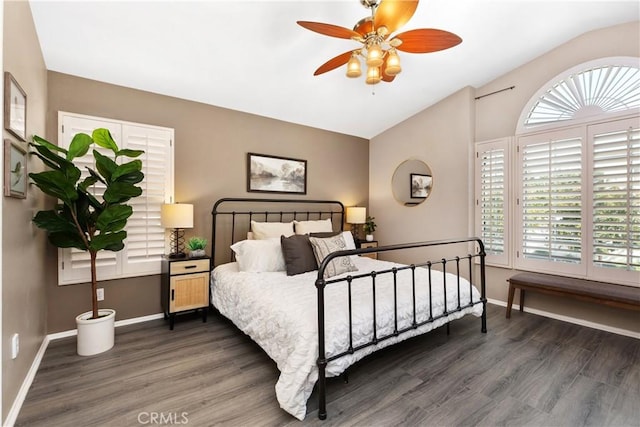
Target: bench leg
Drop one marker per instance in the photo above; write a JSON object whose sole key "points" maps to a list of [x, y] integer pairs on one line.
{"points": [[521, 300], [512, 290]]}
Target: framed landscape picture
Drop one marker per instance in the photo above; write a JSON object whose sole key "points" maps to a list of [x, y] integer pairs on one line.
{"points": [[420, 185], [15, 170], [272, 174], [15, 107]]}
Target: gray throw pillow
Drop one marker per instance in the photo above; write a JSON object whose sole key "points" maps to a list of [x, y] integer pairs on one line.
{"points": [[323, 247], [298, 254]]}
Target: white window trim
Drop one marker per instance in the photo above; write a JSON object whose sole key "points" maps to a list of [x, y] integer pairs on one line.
{"points": [[69, 276]]}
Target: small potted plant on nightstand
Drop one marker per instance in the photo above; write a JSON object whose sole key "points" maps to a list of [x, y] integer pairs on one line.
{"points": [[196, 247], [369, 228]]}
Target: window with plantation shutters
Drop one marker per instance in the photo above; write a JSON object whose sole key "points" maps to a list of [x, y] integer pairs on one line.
{"points": [[550, 202], [492, 199], [144, 245], [615, 198]]}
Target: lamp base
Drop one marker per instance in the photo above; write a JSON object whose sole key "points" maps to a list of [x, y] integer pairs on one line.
{"points": [[177, 255]]}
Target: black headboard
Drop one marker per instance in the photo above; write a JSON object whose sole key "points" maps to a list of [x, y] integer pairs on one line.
{"points": [[232, 218]]}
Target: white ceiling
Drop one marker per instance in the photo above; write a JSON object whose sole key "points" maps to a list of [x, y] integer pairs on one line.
{"points": [[251, 56]]}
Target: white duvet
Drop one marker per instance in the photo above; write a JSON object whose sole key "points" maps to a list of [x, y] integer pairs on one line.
{"points": [[279, 313]]}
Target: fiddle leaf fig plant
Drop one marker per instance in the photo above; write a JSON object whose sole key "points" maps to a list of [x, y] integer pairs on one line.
{"points": [[83, 219]]}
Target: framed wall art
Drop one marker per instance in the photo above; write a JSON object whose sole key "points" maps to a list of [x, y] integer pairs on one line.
{"points": [[15, 170], [15, 107], [272, 174], [420, 185]]}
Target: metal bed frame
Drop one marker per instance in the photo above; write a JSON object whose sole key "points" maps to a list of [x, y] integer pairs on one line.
{"points": [[335, 210]]}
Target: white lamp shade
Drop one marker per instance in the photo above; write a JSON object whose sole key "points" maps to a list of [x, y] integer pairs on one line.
{"points": [[177, 215], [356, 215]]}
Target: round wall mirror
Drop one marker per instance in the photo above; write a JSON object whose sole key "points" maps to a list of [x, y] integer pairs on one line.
{"points": [[412, 182]]}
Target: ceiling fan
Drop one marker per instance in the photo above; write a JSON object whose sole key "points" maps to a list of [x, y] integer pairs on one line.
{"points": [[378, 50]]}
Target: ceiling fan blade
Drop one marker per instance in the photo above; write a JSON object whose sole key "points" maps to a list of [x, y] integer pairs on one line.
{"points": [[387, 79], [425, 40], [333, 63], [393, 14], [329, 30]]}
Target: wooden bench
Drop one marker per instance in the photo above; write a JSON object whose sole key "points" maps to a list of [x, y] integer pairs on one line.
{"points": [[627, 297]]}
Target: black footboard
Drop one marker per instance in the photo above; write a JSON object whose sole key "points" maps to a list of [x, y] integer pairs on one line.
{"points": [[321, 283]]}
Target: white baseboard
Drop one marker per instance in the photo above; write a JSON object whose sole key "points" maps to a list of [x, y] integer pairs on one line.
{"points": [[125, 322], [26, 384], [12, 416], [569, 319]]}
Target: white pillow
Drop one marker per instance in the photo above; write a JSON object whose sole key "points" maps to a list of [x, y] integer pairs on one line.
{"points": [[269, 230], [319, 226], [258, 256], [348, 240], [323, 247]]}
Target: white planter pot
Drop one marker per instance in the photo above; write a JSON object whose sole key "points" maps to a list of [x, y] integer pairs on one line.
{"points": [[197, 253], [369, 237], [95, 335]]}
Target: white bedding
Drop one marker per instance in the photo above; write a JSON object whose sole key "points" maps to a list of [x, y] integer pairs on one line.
{"points": [[279, 313]]}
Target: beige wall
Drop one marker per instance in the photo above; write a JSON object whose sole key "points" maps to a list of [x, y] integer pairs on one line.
{"points": [[497, 115], [440, 136], [211, 145], [428, 136], [24, 276]]}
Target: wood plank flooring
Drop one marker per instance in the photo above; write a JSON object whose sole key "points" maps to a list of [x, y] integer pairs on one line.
{"points": [[528, 370]]}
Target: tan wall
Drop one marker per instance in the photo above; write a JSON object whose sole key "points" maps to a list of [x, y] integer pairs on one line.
{"points": [[497, 116], [442, 137], [211, 145], [24, 275]]}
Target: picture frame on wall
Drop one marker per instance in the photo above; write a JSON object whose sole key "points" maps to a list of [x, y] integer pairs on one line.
{"points": [[420, 185], [15, 107], [15, 170], [274, 174]]}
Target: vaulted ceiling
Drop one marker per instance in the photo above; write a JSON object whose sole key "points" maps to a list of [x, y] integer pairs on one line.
{"points": [[251, 56]]}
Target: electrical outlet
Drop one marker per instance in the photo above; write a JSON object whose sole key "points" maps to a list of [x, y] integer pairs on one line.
{"points": [[15, 345], [100, 294]]}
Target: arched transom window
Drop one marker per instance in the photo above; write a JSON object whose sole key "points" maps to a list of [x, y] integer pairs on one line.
{"points": [[608, 85]]}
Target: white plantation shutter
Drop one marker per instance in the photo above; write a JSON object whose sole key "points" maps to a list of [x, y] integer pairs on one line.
{"points": [[74, 264], [144, 245], [492, 199], [615, 199], [145, 235], [550, 202]]}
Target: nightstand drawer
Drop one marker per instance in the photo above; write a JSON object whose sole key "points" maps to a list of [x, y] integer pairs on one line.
{"points": [[189, 266], [368, 245]]}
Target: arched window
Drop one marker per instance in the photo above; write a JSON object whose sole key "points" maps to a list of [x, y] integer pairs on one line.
{"points": [[595, 88]]}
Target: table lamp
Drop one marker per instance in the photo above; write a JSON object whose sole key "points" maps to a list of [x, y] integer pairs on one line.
{"points": [[356, 216], [177, 216]]}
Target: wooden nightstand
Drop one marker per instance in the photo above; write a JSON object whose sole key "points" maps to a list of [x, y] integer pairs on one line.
{"points": [[372, 244], [185, 286]]}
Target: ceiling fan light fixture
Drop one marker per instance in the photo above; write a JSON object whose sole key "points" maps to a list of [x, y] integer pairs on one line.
{"points": [[373, 75], [374, 55], [393, 64], [353, 66]]}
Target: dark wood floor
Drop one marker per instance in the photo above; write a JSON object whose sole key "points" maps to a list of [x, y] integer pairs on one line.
{"points": [[528, 370]]}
